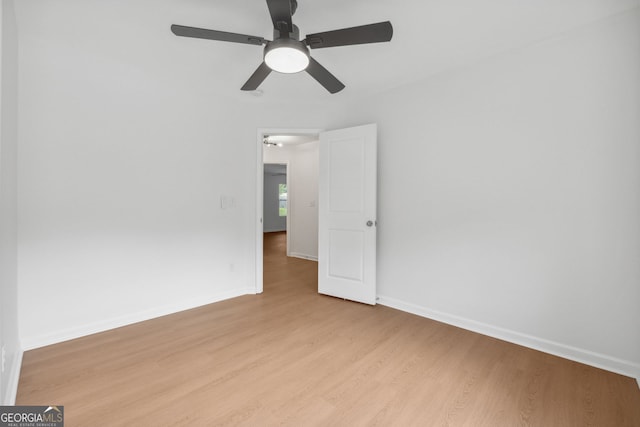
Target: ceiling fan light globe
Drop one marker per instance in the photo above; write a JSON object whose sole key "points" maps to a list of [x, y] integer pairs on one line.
{"points": [[286, 56]]}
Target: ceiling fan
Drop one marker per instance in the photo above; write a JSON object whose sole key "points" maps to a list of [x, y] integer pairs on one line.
{"points": [[286, 53]]}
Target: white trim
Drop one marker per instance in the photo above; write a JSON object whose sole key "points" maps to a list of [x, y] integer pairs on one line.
{"points": [[602, 361], [29, 343], [289, 204], [259, 286], [275, 231], [304, 256], [14, 379]]}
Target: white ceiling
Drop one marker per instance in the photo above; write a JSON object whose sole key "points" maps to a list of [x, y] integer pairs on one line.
{"points": [[429, 37]]}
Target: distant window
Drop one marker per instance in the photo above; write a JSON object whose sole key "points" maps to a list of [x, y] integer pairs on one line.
{"points": [[282, 197]]}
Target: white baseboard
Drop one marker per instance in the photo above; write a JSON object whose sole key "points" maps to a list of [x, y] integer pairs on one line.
{"points": [[14, 379], [30, 343], [602, 361], [303, 256]]}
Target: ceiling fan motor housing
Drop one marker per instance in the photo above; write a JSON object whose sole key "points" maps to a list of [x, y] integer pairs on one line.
{"points": [[295, 34]]}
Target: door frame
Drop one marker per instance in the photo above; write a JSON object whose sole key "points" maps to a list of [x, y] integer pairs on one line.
{"points": [[261, 132]]}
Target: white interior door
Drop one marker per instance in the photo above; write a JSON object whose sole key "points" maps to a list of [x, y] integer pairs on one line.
{"points": [[347, 213]]}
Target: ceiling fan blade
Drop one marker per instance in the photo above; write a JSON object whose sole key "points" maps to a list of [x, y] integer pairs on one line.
{"points": [[324, 77], [201, 33], [257, 77], [280, 11], [372, 33]]}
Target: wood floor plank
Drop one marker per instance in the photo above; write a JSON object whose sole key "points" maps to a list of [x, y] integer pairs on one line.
{"points": [[293, 357]]}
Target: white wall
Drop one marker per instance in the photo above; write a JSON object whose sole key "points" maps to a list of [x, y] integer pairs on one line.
{"points": [[508, 190], [304, 202], [271, 212], [303, 160], [9, 339], [121, 168], [510, 195]]}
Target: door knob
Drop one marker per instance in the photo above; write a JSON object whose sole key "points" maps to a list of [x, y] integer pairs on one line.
{"points": [[369, 223]]}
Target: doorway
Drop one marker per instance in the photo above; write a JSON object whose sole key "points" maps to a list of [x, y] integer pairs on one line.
{"points": [[298, 150], [275, 195]]}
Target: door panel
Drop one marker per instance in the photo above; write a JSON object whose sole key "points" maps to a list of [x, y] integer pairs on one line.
{"points": [[347, 213], [346, 178], [346, 259]]}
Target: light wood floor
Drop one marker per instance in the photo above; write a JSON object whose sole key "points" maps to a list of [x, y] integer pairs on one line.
{"points": [[293, 357]]}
